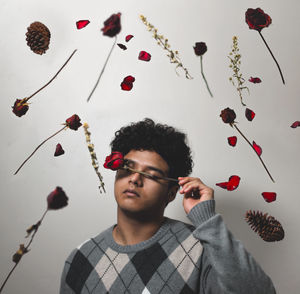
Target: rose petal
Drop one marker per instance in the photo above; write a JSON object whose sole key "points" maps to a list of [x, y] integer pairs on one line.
{"points": [[257, 148], [128, 38], [127, 83], [59, 150], [232, 184], [122, 46], [80, 24], [255, 80], [129, 79], [232, 140], [145, 56], [269, 196], [295, 124], [249, 114]]}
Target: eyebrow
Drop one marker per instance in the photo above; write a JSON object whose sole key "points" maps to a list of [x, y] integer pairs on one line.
{"points": [[149, 167]]}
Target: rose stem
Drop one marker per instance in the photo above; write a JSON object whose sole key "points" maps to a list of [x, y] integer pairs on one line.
{"points": [[201, 63], [149, 175], [53, 77], [255, 152], [273, 57], [102, 71], [26, 248], [38, 148]]}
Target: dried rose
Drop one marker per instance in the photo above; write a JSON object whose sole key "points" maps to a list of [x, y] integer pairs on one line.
{"points": [[127, 83], [73, 122], [57, 199], [232, 140], [145, 56], [269, 196], [112, 26], [128, 38], [114, 161], [200, 48], [249, 114], [257, 19], [255, 80], [59, 150], [80, 24], [232, 184], [20, 107], [228, 115]]}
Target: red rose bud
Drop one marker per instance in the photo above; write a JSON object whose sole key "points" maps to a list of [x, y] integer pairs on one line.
{"points": [[249, 114], [232, 141], [114, 161], [143, 55], [122, 46], [269, 196], [80, 24], [73, 122], [128, 38], [127, 83], [228, 115], [57, 199], [257, 148], [59, 150], [254, 80], [200, 48], [232, 184], [295, 124], [20, 107], [257, 19], [112, 26]]}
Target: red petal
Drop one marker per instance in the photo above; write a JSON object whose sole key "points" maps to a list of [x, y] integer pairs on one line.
{"points": [[59, 150], [127, 83], [269, 196], [249, 114], [232, 140], [222, 185], [232, 184], [295, 124], [80, 24], [129, 79], [122, 46], [143, 55], [257, 148], [128, 38], [255, 80]]}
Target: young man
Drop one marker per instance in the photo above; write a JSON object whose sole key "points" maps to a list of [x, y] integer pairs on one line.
{"points": [[146, 252]]}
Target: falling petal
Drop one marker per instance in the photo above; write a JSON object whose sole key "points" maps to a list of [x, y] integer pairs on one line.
{"points": [[145, 56], [80, 24], [232, 184], [255, 80], [269, 196], [127, 83], [295, 124], [257, 148], [249, 114], [232, 141], [128, 38], [122, 46], [59, 150]]}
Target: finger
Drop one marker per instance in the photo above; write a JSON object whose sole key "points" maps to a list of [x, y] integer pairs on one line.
{"points": [[190, 186]]}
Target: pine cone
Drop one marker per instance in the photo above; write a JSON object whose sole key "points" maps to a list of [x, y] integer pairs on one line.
{"points": [[38, 37], [267, 227]]}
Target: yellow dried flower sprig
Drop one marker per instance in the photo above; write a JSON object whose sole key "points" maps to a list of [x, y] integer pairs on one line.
{"points": [[164, 43], [235, 62], [93, 156]]}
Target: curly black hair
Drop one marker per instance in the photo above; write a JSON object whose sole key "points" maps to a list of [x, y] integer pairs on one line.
{"points": [[165, 140]]}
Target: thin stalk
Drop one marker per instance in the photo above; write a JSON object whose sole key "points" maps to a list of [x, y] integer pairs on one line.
{"points": [[53, 77], [25, 250], [254, 151], [273, 57], [102, 71], [201, 64], [38, 148]]}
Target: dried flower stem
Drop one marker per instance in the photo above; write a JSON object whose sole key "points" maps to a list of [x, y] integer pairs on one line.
{"points": [[25, 250], [235, 62], [26, 99], [93, 156], [38, 148], [201, 64], [162, 42], [102, 71], [281, 75], [234, 125]]}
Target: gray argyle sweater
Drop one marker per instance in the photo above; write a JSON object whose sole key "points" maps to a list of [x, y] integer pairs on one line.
{"points": [[178, 258]]}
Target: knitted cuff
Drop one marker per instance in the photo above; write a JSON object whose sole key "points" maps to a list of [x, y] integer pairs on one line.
{"points": [[201, 212]]}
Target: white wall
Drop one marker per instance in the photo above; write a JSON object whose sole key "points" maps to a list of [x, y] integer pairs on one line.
{"points": [[157, 93]]}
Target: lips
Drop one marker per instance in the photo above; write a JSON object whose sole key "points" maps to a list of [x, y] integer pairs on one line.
{"points": [[130, 192]]}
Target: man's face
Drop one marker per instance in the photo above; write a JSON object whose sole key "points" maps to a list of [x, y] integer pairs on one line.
{"points": [[138, 195]]}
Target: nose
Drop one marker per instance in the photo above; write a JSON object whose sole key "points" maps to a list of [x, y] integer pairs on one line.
{"points": [[136, 178]]}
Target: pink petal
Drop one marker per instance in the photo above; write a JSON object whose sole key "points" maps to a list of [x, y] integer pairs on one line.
{"points": [[257, 148], [255, 80], [232, 141], [269, 196], [295, 124], [82, 23], [145, 56], [249, 114], [128, 38]]}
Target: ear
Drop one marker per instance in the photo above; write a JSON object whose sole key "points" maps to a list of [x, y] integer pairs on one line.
{"points": [[172, 193]]}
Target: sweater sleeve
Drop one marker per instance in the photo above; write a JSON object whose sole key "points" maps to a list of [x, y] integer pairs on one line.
{"points": [[227, 267], [64, 287]]}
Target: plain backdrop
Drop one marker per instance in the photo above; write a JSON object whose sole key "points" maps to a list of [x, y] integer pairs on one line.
{"points": [[159, 93]]}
